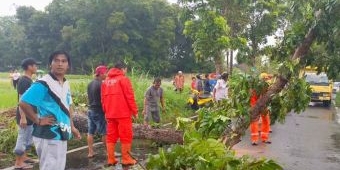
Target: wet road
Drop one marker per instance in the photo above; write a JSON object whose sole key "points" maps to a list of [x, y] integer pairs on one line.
{"points": [[306, 141]]}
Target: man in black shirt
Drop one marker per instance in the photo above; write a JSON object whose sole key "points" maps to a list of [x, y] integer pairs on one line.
{"points": [[25, 125], [96, 116]]}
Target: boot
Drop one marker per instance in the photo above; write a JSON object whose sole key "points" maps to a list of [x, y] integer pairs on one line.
{"points": [[110, 149], [126, 158]]}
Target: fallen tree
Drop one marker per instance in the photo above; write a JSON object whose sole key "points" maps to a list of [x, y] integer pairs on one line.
{"points": [[160, 135]]}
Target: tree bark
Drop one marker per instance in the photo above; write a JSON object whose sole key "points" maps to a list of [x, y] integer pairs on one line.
{"points": [[160, 135], [218, 63], [277, 87], [231, 62], [233, 136]]}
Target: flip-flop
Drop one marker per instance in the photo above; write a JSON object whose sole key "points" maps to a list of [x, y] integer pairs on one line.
{"points": [[30, 161], [25, 166]]}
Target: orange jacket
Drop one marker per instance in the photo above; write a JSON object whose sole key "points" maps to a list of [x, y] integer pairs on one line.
{"points": [[179, 81], [117, 95]]}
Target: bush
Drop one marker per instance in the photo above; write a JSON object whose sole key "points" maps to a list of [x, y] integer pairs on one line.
{"points": [[8, 135]]}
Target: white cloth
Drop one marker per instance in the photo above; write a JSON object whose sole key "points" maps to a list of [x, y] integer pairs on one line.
{"points": [[221, 90], [61, 90], [16, 76]]}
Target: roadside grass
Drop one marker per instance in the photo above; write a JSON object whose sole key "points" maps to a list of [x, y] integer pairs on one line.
{"points": [[337, 99], [8, 95]]}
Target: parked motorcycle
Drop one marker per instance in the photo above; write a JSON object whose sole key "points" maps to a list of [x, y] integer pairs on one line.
{"points": [[197, 100]]}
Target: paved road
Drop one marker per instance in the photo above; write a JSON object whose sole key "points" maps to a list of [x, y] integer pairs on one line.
{"points": [[308, 141]]}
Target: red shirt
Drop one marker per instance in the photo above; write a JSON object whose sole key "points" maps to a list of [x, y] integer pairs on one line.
{"points": [[193, 85]]}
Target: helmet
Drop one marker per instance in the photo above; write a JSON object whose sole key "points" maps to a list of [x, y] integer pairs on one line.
{"points": [[263, 75]]}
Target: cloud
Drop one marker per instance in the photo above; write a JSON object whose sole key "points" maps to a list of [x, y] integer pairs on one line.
{"points": [[8, 7]]}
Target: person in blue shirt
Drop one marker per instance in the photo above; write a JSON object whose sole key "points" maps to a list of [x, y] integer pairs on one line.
{"points": [[52, 119]]}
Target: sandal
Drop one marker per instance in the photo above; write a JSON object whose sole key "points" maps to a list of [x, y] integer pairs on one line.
{"points": [[30, 161], [24, 166]]}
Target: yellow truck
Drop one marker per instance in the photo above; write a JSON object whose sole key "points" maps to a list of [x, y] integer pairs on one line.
{"points": [[321, 86]]}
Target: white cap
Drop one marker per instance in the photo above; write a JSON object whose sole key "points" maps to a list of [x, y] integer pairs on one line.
{"points": [[179, 72]]}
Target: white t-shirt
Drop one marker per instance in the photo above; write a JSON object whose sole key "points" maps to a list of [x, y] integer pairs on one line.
{"points": [[221, 90], [16, 76]]}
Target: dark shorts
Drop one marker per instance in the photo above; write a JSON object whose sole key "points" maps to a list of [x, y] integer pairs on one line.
{"points": [[96, 122]]}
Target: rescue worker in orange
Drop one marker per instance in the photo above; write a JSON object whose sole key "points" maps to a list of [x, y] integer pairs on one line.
{"points": [[119, 106], [179, 81], [265, 125]]}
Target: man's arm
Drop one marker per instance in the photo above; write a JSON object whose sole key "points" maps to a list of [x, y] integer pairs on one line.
{"points": [[30, 113], [74, 130], [23, 120], [162, 103], [214, 94], [145, 105], [129, 95]]}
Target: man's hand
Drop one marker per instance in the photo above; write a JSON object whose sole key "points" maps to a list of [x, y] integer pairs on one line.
{"points": [[144, 112], [163, 110], [135, 116], [75, 132], [23, 122], [49, 120]]}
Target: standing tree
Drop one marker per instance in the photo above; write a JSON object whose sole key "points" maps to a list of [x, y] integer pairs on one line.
{"points": [[209, 34]]}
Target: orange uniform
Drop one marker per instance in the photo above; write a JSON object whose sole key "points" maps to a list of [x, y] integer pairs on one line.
{"points": [[254, 125], [179, 81], [119, 105]]}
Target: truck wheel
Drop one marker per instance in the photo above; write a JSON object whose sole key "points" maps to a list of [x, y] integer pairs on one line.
{"points": [[326, 103]]}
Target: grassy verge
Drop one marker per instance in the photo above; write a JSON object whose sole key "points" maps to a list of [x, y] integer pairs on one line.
{"points": [[337, 99], [8, 95]]}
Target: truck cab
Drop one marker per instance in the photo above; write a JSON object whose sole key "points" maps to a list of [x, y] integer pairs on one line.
{"points": [[321, 86]]}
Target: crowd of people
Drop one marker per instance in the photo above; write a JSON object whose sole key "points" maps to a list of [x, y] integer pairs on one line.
{"points": [[45, 110]]}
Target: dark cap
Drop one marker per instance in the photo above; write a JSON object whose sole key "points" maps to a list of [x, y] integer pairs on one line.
{"points": [[27, 62], [120, 65]]}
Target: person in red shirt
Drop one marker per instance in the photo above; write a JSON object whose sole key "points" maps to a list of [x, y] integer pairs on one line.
{"points": [[119, 106], [193, 83]]}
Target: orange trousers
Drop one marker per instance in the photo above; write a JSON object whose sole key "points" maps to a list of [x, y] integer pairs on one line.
{"points": [[265, 128], [120, 128]]}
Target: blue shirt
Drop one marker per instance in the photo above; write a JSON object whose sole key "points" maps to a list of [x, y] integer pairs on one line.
{"points": [[51, 99], [212, 83]]}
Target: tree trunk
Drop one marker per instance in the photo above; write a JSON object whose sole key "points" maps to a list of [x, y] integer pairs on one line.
{"points": [[282, 81], [231, 62], [167, 136], [227, 59], [233, 136], [218, 63]]}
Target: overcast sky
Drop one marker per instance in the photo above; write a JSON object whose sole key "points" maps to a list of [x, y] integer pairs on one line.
{"points": [[7, 7]]}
